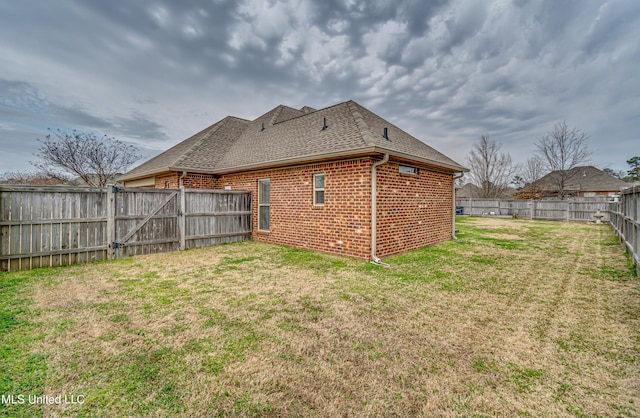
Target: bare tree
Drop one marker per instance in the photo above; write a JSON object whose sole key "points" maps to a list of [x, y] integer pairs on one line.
{"points": [[25, 178], [95, 160], [562, 149], [491, 170], [533, 170], [529, 174], [619, 174]]}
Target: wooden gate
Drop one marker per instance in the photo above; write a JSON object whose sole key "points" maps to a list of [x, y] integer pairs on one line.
{"points": [[143, 221], [53, 226]]}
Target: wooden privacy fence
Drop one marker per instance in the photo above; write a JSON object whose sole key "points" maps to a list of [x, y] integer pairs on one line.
{"points": [[565, 210], [625, 216], [53, 226]]}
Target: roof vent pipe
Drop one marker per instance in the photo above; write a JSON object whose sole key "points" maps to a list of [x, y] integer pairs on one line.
{"points": [[324, 124], [385, 135], [262, 127]]}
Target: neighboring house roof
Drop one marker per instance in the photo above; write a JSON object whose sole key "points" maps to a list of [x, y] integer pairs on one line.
{"points": [[285, 136], [469, 190], [582, 179]]}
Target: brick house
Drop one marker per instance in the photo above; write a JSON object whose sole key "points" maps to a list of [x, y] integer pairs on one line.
{"points": [[340, 180], [583, 181]]}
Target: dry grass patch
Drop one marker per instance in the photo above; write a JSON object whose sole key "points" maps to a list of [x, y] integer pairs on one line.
{"points": [[517, 318]]}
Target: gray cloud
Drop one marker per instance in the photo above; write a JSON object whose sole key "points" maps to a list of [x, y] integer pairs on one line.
{"points": [[154, 72]]}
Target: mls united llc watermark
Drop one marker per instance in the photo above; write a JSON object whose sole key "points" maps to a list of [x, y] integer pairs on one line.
{"points": [[42, 400]]}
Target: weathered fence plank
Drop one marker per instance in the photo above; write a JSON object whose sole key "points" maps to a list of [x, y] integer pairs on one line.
{"points": [[51, 226], [563, 210], [623, 215], [625, 220]]}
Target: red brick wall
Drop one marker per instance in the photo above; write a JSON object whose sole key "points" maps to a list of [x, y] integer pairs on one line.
{"points": [[413, 210], [200, 181], [190, 181], [168, 179], [598, 193], [341, 226]]}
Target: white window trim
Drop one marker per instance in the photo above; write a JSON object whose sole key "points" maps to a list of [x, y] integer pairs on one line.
{"points": [[415, 170], [318, 189], [264, 204]]}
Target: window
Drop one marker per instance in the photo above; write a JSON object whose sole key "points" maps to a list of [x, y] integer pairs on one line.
{"points": [[318, 189], [405, 169], [263, 204]]}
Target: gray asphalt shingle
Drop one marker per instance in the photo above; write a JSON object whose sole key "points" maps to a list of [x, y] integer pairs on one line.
{"points": [[284, 135]]}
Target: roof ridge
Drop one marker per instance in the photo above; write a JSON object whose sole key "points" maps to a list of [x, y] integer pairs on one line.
{"points": [[205, 136], [363, 128], [235, 117], [280, 107], [307, 109], [274, 118]]}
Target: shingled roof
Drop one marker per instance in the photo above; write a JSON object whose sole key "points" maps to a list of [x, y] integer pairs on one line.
{"points": [[583, 179], [285, 136]]}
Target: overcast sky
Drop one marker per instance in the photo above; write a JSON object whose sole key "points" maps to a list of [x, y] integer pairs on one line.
{"points": [[152, 73]]}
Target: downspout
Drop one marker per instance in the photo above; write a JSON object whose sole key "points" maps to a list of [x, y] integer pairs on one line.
{"points": [[453, 220], [374, 208], [180, 182]]}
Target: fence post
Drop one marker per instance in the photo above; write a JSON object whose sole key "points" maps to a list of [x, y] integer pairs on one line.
{"points": [[533, 209], [111, 224], [182, 219], [568, 210]]}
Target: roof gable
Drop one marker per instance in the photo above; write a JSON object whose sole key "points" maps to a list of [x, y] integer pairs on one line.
{"points": [[400, 141], [295, 138], [285, 135], [583, 178]]}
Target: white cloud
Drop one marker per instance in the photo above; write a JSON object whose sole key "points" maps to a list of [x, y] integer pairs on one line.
{"points": [[386, 40], [160, 15]]}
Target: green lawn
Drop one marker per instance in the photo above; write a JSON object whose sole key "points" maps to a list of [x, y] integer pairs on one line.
{"points": [[518, 318]]}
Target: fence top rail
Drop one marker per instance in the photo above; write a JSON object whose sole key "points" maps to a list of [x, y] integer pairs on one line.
{"points": [[631, 190], [154, 190], [217, 191], [77, 189], [602, 199], [120, 189], [50, 189]]}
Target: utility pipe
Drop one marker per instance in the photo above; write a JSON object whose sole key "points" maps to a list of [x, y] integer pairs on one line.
{"points": [[180, 182], [453, 220], [374, 209]]}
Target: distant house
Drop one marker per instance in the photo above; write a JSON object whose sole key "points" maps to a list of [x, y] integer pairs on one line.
{"points": [[471, 191], [468, 191], [95, 179], [584, 181], [340, 180]]}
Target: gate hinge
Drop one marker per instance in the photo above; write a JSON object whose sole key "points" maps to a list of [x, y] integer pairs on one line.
{"points": [[180, 213], [115, 189], [115, 245]]}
